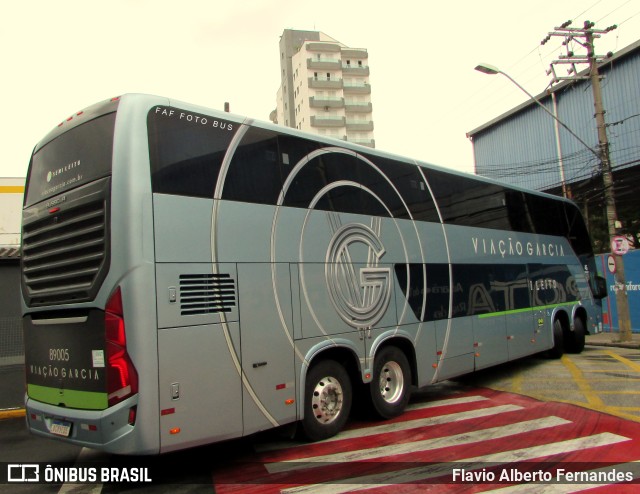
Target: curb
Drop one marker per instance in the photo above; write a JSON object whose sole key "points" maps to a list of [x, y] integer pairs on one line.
{"points": [[631, 346], [12, 413]]}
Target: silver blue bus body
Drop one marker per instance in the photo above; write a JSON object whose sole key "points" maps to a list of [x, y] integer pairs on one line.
{"points": [[191, 276]]}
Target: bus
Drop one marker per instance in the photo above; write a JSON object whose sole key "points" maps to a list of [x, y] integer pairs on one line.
{"points": [[189, 276]]}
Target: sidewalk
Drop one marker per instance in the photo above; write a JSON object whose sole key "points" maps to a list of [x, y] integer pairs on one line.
{"points": [[613, 339]]}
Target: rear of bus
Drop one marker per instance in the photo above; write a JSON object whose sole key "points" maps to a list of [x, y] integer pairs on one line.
{"points": [[87, 282]]}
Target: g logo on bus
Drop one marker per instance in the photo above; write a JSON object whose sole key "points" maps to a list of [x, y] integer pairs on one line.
{"points": [[360, 298]]}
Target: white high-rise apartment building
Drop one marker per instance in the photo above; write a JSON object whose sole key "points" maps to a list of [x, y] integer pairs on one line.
{"points": [[324, 87]]}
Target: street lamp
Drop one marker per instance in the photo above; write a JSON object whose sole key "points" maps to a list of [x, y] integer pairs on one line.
{"points": [[486, 68], [603, 157]]}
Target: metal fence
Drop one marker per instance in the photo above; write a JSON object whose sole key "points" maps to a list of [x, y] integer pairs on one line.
{"points": [[11, 341], [12, 372]]}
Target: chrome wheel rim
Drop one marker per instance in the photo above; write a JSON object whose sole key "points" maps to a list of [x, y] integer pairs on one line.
{"points": [[391, 382], [327, 400]]}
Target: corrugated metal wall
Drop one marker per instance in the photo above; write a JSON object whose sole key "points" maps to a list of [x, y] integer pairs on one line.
{"points": [[521, 148], [621, 94]]}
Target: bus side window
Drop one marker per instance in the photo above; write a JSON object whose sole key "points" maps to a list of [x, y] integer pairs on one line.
{"points": [[409, 184], [185, 156], [254, 174]]}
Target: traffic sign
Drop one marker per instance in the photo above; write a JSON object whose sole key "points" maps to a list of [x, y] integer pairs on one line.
{"points": [[619, 245], [611, 264]]}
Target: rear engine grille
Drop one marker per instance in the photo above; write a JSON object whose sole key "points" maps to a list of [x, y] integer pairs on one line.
{"points": [[206, 293], [64, 253]]}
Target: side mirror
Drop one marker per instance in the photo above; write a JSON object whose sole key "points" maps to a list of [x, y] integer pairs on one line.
{"points": [[600, 291]]}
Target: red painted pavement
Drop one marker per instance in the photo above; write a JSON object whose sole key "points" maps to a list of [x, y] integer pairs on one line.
{"points": [[434, 467]]}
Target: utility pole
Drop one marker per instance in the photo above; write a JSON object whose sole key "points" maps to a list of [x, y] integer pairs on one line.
{"points": [[585, 37]]}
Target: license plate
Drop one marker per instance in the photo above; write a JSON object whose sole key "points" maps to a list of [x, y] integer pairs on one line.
{"points": [[60, 428]]}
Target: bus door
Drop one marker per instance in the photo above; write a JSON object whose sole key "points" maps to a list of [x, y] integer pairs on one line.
{"points": [[521, 331], [479, 296], [198, 354], [267, 332], [550, 285], [454, 336]]}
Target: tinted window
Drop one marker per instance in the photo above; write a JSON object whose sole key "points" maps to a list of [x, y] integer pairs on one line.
{"points": [[411, 278], [469, 202], [552, 284], [547, 215], [79, 156], [485, 289], [186, 151], [578, 234], [325, 172], [518, 211], [409, 183], [294, 149], [255, 174], [581, 242]]}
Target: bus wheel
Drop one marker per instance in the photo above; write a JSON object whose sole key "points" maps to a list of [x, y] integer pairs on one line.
{"points": [[558, 340], [575, 340], [390, 386], [327, 400]]}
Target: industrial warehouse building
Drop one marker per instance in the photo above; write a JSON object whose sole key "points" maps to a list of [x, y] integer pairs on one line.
{"points": [[527, 147]]}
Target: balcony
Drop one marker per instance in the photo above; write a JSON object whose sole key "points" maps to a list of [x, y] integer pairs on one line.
{"points": [[323, 64], [327, 121], [326, 102], [326, 47], [357, 107], [357, 53], [360, 125], [357, 88], [355, 70], [325, 83]]}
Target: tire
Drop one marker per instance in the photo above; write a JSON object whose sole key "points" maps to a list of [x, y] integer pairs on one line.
{"points": [[558, 340], [575, 339], [327, 400], [390, 387]]}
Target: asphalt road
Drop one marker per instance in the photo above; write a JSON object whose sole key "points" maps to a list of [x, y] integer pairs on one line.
{"points": [[604, 383], [601, 378]]}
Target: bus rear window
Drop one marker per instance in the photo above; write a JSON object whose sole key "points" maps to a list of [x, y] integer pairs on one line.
{"points": [[81, 155]]}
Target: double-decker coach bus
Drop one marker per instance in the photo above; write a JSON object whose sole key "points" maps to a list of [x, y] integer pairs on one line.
{"points": [[190, 276]]}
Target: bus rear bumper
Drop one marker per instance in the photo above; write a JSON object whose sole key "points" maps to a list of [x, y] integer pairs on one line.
{"points": [[105, 430]]}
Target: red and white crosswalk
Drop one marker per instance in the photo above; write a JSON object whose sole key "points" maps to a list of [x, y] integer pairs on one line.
{"points": [[471, 442]]}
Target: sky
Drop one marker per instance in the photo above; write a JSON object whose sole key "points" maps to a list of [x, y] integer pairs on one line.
{"points": [[60, 57]]}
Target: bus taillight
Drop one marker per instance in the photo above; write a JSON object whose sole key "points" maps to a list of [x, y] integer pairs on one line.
{"points": [[122, 377]]}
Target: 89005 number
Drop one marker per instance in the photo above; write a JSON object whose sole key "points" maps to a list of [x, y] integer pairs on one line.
{"points": [[59, 354]]}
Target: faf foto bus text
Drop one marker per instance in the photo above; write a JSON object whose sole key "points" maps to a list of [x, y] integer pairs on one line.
{"points": [[199, 119]]}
